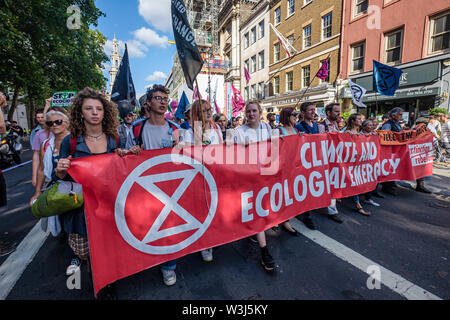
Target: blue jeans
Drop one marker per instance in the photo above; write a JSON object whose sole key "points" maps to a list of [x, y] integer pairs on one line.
{"points": [[169, 265]]}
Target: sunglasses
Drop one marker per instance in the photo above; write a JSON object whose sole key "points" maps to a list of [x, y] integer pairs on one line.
{"points": [[51, 123]]}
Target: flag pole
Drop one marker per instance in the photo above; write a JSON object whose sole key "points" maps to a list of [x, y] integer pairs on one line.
{"points": [[309, 86]]}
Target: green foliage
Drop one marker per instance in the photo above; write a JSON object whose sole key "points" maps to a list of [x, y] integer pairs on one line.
{"points": [[40, 55], [437, 110], [345, 115]]}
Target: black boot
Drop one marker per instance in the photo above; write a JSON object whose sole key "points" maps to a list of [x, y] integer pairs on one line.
{"points": [[421, 186]]}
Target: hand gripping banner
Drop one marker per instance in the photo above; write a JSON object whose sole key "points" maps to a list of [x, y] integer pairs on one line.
{"points": [[144, 210]]}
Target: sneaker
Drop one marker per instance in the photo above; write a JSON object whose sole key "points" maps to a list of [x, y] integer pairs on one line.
{"points": [[169, 277], [370, 201], [74, 267], [6, 248], [207, 255], [266, 260]]}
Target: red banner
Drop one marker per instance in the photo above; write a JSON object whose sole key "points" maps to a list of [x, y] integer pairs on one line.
{"points": [[144, 210]]}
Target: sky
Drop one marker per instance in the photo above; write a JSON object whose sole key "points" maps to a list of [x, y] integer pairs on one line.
{"points": [[146, 27]]}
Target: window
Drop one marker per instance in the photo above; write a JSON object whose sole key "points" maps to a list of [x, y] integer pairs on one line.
{"points": [[247, 93], [358, 57], [261, 93], [277, 15], [261, 30], [361, 7], [440, 33], [276, 52], [253, 33], [327, 26], [289, 81], [246, 40], [327, 79], [393, 46], [291, 39], [254, 91], [307, 37], [253, 64], [291, 7], [306, 76], [276, 85], [261, 60], [247, 65]]}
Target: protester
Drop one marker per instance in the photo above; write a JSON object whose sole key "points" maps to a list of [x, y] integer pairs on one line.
{"points": [[341, 123], [309, 126], [271, 118], [445, 134], [187, 118], [288, 120], [330, 124], [432, 126], [254, 131], [156, 132], [392, 124], [239, 121], [203, 132], [39, 138], [368, 128], [40, 119], [57, 122], [354, 123], [125, 130], [93, 131], [221, 120]]}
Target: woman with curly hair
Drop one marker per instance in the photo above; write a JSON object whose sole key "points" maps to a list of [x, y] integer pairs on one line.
{"points": [[93, 131]]}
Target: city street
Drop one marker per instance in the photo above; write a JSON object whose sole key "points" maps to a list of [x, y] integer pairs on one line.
{"points": [[405, 245]]}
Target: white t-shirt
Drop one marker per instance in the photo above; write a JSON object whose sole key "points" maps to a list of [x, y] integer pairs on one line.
{"points": [[245, 133], [212, 134], [156, 137]]}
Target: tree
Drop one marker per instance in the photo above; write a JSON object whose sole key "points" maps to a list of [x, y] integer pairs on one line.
{"points": [[39, 54]]}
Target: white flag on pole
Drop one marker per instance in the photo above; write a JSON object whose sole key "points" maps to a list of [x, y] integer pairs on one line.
{"points": [[358, 93], [290, 50]]}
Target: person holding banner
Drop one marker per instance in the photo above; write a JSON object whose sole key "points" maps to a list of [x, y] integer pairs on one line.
{"points": [[309, 126], [392, 124], [156, 132], [93, 131], [288, 120], [354, 123], [205, 134], [251, 132]]}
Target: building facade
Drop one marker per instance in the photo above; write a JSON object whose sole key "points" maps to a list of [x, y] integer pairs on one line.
{"points": [[255, 34], [313, 28], [412, 35]]}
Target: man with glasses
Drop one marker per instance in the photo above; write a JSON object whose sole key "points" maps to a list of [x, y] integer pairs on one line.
{"points": [[157, 133]]}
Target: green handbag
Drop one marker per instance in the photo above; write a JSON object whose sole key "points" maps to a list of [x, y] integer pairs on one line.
{"points": [[62, 197]]}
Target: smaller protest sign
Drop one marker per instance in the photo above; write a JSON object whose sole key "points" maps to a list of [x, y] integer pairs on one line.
{"points": [[63, 98]]}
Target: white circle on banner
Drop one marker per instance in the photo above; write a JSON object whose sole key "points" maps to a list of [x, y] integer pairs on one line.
{"points": [[170, 204]]}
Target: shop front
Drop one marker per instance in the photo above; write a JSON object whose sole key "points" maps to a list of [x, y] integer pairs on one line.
{"points": [[419, 90], [320, 96]]}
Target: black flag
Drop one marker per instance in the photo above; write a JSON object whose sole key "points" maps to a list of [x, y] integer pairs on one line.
{"points": [[190, 58], [123, 92]]}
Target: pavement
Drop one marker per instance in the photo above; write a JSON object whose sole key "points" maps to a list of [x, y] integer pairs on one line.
{"points": [[400, 252]]}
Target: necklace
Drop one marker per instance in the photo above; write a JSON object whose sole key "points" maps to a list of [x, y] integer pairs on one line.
{"points": [[95, 138]]}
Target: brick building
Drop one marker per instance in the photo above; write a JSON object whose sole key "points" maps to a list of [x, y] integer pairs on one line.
{"points": [[313, 27]]}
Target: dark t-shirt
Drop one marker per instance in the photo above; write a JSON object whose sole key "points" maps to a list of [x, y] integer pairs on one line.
{"points": [[306, 128]]}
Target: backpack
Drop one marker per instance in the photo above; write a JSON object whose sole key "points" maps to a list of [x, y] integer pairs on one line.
{"points": [[138, 129]]}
